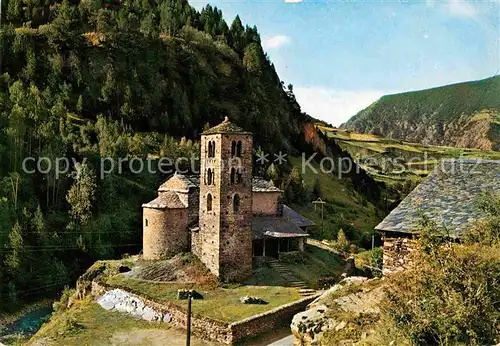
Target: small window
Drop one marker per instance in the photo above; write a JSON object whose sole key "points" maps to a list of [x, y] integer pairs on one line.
{"points": [[233, 174], [146, 222], [211, 149], [233, 148], [239, 149], [210, 177], [239, 176], [209, 202], [236, 203]]}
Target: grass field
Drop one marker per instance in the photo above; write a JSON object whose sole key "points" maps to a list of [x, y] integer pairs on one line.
{"points": [[221, 304], [320, 263], [344, 209], [379, 156], [86, 323]]}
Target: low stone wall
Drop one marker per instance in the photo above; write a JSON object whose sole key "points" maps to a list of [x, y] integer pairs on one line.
{"points": [[203, 327], [269, 320], [397, 254], [120, 299]]}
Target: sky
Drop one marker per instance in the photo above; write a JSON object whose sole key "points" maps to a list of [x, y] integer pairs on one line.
{"points": [[343, 55]]}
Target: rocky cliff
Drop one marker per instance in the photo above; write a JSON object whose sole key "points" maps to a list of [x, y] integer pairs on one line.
{"points": [[461, 115]]}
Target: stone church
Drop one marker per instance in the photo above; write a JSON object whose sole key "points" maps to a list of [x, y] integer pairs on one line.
{"points": [[225, 216]]}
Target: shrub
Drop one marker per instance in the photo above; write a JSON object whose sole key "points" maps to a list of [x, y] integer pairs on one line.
{"points": [[371, 259], [62, 304], [341, 244], [449, 297], [486, 231], [292, 257], [70, 325]]}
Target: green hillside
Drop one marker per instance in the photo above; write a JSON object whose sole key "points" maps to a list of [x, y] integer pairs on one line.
{"points": [[460, 115], [398, 164], [95, 80]]}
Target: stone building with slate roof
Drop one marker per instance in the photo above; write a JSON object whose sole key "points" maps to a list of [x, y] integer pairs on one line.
{"points": [[224, 216], [446, 197]]}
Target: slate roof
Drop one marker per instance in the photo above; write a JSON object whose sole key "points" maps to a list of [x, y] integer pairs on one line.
{"points": [[168, 199], [275, 227], [261, 185], [296, 218], [193, 181], [225, 127], [446, 196], [179, 182]]}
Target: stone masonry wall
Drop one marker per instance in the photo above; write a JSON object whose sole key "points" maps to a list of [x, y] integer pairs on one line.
{"points": [[268, 320], [136, 305], [111, 297], [209, 221], [193, 206], [196, 243], [166, 232], [236, 226], [265, 203], [226, 236], [397, 253]]}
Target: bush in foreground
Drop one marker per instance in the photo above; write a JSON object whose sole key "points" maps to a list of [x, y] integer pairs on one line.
{"points": [[451, 296]]}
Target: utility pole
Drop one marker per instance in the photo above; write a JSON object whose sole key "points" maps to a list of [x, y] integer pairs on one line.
{"points": [[188, 331], [322, 203]]}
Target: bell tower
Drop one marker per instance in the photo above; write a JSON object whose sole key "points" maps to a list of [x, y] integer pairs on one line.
{"points": [[225, 214]]}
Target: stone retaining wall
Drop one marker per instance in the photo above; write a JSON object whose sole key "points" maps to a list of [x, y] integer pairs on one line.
{"points": [[123, 300], [205, 328], [269, 320], [397, 254]]}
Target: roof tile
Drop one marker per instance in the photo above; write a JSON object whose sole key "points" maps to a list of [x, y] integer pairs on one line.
{"points": [[446, 196], [225, 127]]}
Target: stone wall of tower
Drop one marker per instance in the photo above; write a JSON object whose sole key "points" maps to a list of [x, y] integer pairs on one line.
{"points": [[205, 244], [266, 203], [225, 235], [236, 227], [193, 206], [165, 232]]}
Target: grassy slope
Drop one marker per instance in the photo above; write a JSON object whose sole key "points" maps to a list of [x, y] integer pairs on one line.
{"points": [[87, 323], [433, 106], [419, 159], [319, 263], [222, 304], [345, 208]]}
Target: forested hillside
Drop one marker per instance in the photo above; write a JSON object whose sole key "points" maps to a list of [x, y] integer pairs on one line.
{"points": [[461, 115], [90, 80]]}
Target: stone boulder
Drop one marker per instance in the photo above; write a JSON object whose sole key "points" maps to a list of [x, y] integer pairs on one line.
{"points": [[337, 309], [349, 281], [308, 326], [123, 301]]}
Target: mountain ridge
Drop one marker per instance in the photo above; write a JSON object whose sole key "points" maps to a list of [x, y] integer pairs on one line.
{"points": [[465, 114]]}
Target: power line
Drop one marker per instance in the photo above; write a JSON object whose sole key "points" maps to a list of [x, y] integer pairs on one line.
{"points": [[56, 248]]}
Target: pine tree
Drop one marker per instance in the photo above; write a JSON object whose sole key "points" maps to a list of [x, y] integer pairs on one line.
{"points": [[316, 191], [14, 257], [81, 195]]}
